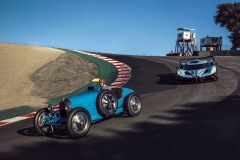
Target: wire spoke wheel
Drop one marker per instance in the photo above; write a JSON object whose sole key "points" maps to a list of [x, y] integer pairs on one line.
{"points": [[39, 121]]}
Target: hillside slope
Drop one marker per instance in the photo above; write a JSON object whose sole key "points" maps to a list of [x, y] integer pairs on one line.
{"points": [[31, 75]]}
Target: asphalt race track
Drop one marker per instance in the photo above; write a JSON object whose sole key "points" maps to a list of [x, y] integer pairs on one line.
{"points": [[177, 122]]}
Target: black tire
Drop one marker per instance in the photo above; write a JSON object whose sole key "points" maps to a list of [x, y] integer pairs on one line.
{"points": [[133, 104], [78, 122], [216, 76], [106, 103], [39, 124], [178, 81]]}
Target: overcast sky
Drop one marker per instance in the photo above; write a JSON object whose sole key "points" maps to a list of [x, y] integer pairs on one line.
{"points": [[147, 27]]}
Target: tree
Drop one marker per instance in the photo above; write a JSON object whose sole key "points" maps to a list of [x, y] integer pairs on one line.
{"points": [[228, 16]]}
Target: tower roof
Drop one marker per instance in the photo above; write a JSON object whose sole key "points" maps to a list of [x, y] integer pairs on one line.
{"points": [[185, 29]]}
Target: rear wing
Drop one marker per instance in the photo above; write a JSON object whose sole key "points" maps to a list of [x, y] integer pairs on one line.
{"points": [[208, 58]]}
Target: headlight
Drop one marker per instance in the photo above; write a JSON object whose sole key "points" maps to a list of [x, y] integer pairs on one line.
{"points": [[67, 104], [179, 72], [214, 70], [50, 107]]}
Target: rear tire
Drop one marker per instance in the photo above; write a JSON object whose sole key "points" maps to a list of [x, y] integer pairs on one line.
{"points": [[133, 104], [106, 103]]}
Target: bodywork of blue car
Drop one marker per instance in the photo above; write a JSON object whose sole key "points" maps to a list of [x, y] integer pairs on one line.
{"points": [[87, 100], [195, 70], [77, 113]]}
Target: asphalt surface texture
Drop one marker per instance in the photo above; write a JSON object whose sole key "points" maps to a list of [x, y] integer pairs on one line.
{"points": [[177, 122]]}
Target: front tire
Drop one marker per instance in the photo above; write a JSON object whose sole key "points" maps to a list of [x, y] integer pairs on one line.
{"points": [[78, 122], [215, 77], [133, 104], [39, 121], [178, 80]]}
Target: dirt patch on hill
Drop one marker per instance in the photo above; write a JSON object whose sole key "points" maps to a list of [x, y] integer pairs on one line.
{"points": [[31, 75], [64, 75]]}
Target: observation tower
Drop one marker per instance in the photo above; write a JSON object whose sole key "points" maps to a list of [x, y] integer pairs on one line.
{"points": [[186, 42]]}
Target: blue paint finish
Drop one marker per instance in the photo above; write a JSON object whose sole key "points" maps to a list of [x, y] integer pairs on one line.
{"points": [[88, 101]]}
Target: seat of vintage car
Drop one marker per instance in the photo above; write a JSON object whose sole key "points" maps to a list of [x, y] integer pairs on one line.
{"points": [[118, 92]]}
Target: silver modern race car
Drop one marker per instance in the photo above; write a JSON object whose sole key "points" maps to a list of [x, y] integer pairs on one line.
{"points": [[196, 70]]}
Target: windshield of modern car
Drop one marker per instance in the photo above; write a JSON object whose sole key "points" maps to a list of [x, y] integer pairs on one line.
{"points": [[196, 66]]}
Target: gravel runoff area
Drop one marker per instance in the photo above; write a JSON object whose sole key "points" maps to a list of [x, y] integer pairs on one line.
{"points": [[31, 75]]}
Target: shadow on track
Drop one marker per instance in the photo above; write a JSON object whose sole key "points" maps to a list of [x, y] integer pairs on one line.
{"points": [[28, 132], [31, 132], [194, 131], [61, 133], [146, 75], [169, 79]]}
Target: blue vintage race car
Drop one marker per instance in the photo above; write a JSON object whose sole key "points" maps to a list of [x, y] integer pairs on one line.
{"points": [[77, 113], [195, 70]]}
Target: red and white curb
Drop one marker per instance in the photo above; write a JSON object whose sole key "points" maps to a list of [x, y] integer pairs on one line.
{"points": [[124, 71], [124, 75], [18, 118]]}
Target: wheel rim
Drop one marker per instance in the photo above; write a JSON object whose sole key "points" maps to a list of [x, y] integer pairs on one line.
{"points": [[41, 122], [109, 103], [135, 104], [80, 122]]}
